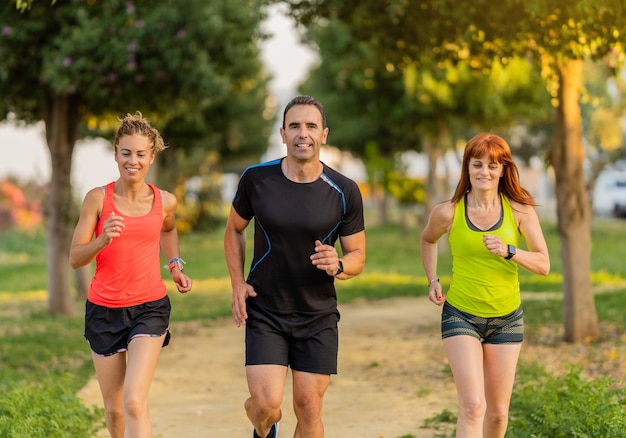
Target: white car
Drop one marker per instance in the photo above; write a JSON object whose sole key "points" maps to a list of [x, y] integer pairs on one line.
{"points": [[609, 195]]}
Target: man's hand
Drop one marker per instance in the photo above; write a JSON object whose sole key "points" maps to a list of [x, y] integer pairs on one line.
{"points": [[325, 258], [241, 292]]}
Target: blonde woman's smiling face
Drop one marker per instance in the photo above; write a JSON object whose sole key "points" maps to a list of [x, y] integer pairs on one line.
{"points": [[134, 155]]}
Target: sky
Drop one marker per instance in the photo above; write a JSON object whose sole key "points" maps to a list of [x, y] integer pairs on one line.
{"points": [[26, 156], [283, 55]]}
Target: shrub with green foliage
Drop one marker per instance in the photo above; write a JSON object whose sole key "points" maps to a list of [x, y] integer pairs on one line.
{"points": [[546, 406], [47, 409]]}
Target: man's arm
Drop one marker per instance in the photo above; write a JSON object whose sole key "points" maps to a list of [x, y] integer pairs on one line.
{"points": [[235, 253], [353, 260]]}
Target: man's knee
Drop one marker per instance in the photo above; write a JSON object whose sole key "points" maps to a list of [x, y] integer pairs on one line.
{"points": [[262, 407], [308, 406]]}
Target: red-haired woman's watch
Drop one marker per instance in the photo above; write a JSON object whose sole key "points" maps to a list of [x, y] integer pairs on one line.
{"points": [[512, 252]]}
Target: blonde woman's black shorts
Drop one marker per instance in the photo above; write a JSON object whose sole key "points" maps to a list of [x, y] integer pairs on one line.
{"points": [[507, 329], [307, 343], [109, 330]]}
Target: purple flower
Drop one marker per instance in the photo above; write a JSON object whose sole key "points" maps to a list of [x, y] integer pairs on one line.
{"points": [[67, 61], [6, 30]]}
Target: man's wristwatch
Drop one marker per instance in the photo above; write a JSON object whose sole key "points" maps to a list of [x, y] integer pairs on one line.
{"points": [[512, 252], [339, 267]]}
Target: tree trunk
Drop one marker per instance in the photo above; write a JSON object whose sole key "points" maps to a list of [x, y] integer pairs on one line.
{"points": [[61, 118], [434, 147], [433, 196], [82, 277], [383, 208], [573, 209]]}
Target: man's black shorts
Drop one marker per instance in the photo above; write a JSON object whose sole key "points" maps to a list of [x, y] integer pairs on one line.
{"points": [[110, 330], [307, 343]]}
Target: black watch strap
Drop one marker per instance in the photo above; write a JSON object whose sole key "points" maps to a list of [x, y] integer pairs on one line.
{"points": [[339, 267], [512, 252]]}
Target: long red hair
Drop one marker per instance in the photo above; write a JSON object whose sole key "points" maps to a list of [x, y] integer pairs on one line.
{"points": [[499, 152]]}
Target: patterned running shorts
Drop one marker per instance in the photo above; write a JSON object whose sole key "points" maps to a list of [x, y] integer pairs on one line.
{"points": [[507, 329]]}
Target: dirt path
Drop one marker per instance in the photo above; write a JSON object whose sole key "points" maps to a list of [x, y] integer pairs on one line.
{"points": [[392, 376]]}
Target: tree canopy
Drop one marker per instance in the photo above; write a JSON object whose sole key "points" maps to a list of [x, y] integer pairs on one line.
{"points": [[76, 65], [181, 63], [417, 106]]}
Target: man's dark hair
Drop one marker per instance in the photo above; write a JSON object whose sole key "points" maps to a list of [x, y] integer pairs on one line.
{"points": [[306, 100]]}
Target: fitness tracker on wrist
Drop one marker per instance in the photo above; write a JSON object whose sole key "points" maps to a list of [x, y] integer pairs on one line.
{"points": [[339, 267], [512, 252]]}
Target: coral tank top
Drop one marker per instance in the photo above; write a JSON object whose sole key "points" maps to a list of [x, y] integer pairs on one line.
{"points": [[128, 269]]}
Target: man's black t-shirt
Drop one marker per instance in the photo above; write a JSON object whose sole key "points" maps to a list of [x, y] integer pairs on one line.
{"points": [[288, 218]]}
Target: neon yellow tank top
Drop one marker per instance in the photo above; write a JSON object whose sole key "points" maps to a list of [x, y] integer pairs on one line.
{"points": [[483, 284]]}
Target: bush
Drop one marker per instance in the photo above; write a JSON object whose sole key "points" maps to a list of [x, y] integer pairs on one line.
{"points": [[548, 406], [49, 409]]}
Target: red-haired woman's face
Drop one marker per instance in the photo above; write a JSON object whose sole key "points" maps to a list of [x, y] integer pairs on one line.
{"points": [[484, 174]]}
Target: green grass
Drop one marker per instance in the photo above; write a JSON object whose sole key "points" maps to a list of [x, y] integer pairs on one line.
{"points": [[22, 262], [44, 360]]}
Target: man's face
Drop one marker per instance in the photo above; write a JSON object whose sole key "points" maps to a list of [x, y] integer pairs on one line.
{"points": [[303, 133]]}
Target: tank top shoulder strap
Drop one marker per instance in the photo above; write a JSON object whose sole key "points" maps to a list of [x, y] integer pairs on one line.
{"points": [[157, 205], [107, 201], [459, 211], [108, 190]]}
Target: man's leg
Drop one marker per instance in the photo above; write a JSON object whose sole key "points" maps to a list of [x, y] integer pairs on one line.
{"points": [[308, 396], [266, 384]]}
